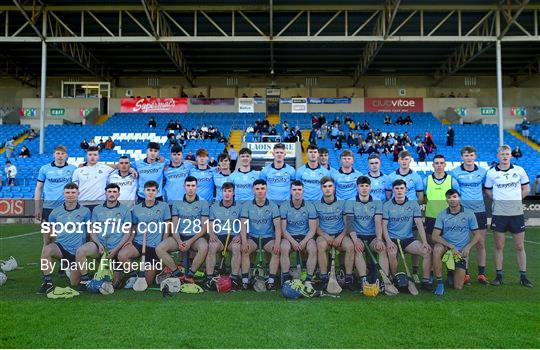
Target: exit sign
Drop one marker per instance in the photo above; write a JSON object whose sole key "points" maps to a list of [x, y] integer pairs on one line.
{"points": [[55, 112], [491, 111]]}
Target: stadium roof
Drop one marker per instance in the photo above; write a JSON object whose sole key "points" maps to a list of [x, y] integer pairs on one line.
{"points": [[253, 37]]}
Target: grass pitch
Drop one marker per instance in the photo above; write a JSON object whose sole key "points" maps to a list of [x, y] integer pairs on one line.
{"points": [[477, 317]]}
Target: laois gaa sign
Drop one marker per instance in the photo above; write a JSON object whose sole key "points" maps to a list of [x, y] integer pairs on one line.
{"points": [[412, 104]]}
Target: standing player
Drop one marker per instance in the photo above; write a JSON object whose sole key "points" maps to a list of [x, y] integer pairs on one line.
{"points": [[243, 177], [175, 174], [415, 192], [415, 186], [262, 218], [311, 174], [150, 169], [111, 228], [126, 181], [323, 159], [345, 177], [299, 225], [204, 175], [507, 185], [225, 217], [278, 176], [456, 224], [50, 184], [221, 177], [332, 231], [189, 217], [471, 180], [399, 214], [63, 219], [92, 179], [377, 179], [153, 217], [435, 187], [366, 215]]}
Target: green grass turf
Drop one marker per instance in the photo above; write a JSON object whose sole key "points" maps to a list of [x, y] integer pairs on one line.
{"points": [[477, 317]]}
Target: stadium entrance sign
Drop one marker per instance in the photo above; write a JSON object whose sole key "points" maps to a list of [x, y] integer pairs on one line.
{"points": [[154, 105], [413, 104], [263, 150]]}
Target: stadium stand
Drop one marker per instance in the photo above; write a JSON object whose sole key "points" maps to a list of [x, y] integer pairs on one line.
{"points": [[7, 132]]}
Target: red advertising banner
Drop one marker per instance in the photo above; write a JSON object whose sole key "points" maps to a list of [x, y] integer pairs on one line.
{"points": [[154, 105], [405, 104], [12, 207]]}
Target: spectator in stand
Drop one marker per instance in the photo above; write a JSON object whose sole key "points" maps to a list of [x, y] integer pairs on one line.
{"points": [[516, 153], [536, 187], [396, 148], [213, 132], [204, 130], [351, 139], [233, 156], [31, 134], [400, 120], [249, 129], [338, 145], [244, 95], [525, 125], [101, 145], [451, 94], [315, 121], [11, 173], [386, 149], [213, 163], [334, 133], [417, 140], [172, 140], [177, 125], [92, 143], [450, 137], [322, 120], [313, 135], [10, 146], [285, 125], [365, 125], [152, 123], [170, 126], [193, 134], [201, 95], [429, 143], [408, 120], [256, 95], [442, 95], [286, 135], [422, 152], [25, 152], [190, 156], [109, 144], [362, 147], [221, 138], [348, 119], [84, 145], [371, 148], [387, 120], [459, 95]]}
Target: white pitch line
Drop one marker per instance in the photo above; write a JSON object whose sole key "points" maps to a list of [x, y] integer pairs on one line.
{"points": [[23, 235], [508, 237]]}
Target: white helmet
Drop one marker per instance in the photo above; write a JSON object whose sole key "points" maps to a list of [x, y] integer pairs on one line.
{"points": [[172, 285], [8, 265], [3, 278]]}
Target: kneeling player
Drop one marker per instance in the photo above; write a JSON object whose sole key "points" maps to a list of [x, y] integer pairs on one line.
{"points": [[111, 228], [399, 214], [455, 224], [63, 219], [189, 216], [262, 218], [151, 218], [299, 225], [224, 218], [332, 231], [366, 215]]}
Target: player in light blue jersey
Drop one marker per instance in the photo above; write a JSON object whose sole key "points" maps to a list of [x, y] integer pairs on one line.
{"points": [[50, 184], [244, 177], [175, 174], [415, 185], [65, 233], [399, 214], [311, 174], [332, 231], [190, 222], [224, 220], [324, 159], [110, 230], [299, 225], [204, 175], [278, 176], [452, 231], [262, 218], [150, 169], [345, 177], [366, 227], [221, 177], [471, 179], [153, 219], [378, 179]]}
